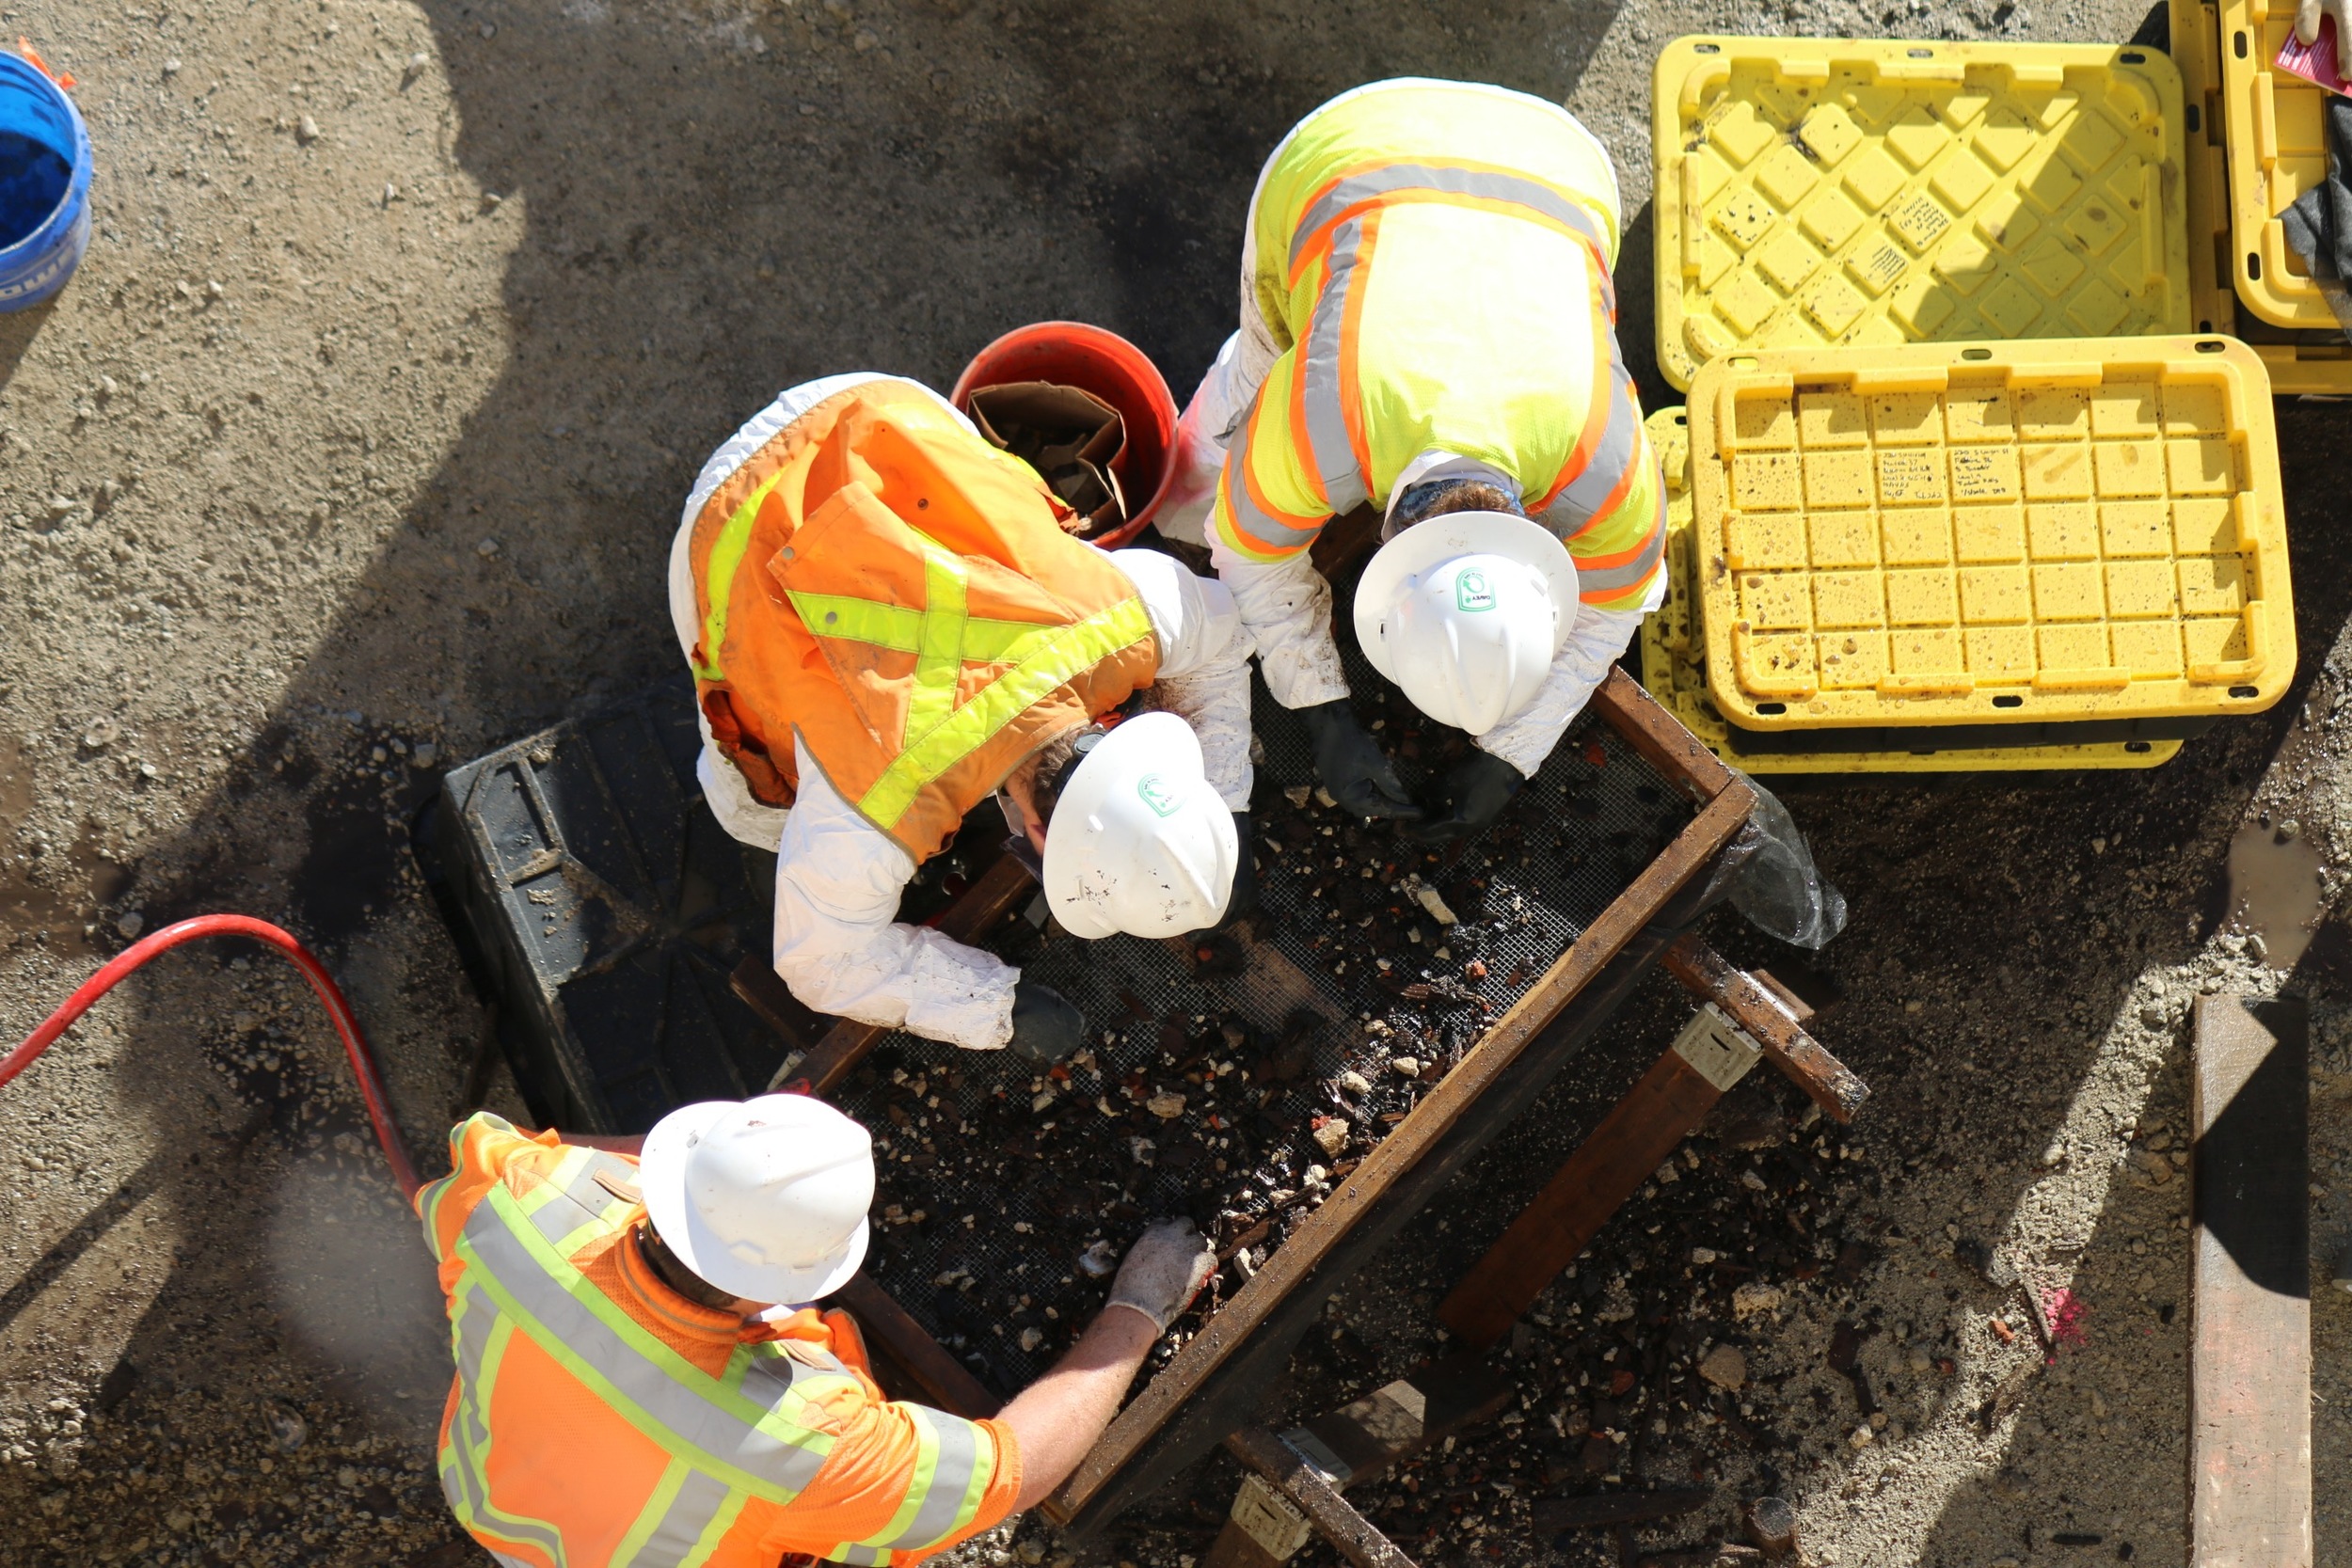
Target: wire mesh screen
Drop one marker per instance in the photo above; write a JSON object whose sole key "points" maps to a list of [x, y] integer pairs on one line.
{"points": [[1232, 1081]]}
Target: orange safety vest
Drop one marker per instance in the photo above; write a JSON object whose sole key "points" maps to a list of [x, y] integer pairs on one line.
{"points": [[881, 582], [599, 1418]]}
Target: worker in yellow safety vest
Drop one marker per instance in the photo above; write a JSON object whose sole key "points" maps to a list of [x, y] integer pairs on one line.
{"points": [[1428, 325], [887, 624], [644, 1381]]}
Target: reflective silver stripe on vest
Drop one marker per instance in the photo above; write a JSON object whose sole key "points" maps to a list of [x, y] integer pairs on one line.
{"points": [[698, 1502], [772, 1465], [1574, 507], [1262, 526], [1609, 581], [1345, 484], [583, 1199], [1396, 178], [951, 1477]]}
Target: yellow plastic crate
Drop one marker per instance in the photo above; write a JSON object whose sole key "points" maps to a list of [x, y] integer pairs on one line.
{"points": [[1820, 192], [2276, 151], [1673, 649], [2086, 532], [2301, 360]]}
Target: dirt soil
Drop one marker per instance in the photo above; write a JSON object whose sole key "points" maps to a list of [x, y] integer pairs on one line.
{"points": [[356, 447]]}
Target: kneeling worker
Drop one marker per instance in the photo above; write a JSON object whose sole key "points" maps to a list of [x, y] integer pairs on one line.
{"points": [[887, 624], [628, 1393], [1428, 325]]}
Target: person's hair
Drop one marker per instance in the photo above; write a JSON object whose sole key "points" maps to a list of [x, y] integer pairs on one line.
{"points": [[1041, 770], [1439, 496], [679, 1278]]}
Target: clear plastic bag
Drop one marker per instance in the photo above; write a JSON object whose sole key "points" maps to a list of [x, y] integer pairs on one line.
{"points": [[1779, 888]]}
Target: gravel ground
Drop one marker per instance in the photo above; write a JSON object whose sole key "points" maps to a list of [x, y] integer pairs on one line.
{"points": [[355, 449]]}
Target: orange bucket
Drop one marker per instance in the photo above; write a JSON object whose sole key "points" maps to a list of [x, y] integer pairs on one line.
{"points": [[1071, 353]]}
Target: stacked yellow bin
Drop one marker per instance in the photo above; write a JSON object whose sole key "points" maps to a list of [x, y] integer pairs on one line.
{"points": [[1958, 487], [2255, 143]]}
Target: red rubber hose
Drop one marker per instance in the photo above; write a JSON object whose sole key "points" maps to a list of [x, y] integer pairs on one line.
{"points": [[363, 1066]]}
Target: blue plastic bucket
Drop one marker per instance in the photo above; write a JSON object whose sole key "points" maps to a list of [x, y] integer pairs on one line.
{"points": [[44, 184]]}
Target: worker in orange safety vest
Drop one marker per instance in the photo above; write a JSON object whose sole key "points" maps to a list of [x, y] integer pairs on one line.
{"points": [[1428, 326], [887, 624], [644, 1379]]}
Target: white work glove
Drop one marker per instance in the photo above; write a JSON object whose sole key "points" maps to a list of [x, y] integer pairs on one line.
{"points": [[1164, 1271], [2307, 15]]}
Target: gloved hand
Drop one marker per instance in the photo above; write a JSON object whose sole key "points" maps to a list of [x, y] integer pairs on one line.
{"points": [[1045, 1027], [2307, 17], [1475, 792], [1244, 896], [1351, 764], [1164, 1271]]}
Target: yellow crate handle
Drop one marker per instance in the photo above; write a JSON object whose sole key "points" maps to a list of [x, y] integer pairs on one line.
{"points": [[2266, 124], [1793, 686], [1938, 70], [1693, 230], [1902, 378], [2150, 222], [1696, 84], [1924, 684], [2081, 680], [2275, 254], [1752, 382]]}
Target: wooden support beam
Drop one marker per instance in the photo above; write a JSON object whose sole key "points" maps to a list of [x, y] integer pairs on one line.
{"points": [[1355, 1441], [1554, 1515], [1309, 1490], [842, 1046], [1755, 1007], [944, 1381], [2249, 1388], [1638, 1134]]}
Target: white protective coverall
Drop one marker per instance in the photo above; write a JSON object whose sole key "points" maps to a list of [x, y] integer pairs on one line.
{"points": [[1287, 605], [839, 877]]}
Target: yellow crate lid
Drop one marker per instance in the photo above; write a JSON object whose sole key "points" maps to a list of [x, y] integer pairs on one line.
{"points": [[1943, 534], [1673, 651], [1815, 192], [2277, 149]]}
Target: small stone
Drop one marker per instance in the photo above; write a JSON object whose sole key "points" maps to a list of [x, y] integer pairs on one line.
{"points": [[2256, 948], [171, 68], [2152, 1016], [425, 755], [103, 733], [305, 130], [865, 40], [1771, 1524], [1352, 1082], [1031, 1339], [1098, 1260], [1703, 1256], [1407, 1066], [1298, 794], [1726, 1368], [2290, 830], [1040, 1101], [1323, 798], [1031, 1551], [61, 507], [287, 1429], [1166, 1106], [179, 1520], [415, 68], [347, 1477], [213, 289], [1332, 1134], [131, 923], [1426, 897], [488, 29], [486, 549], [1862, 1435], [1748, 1300]]}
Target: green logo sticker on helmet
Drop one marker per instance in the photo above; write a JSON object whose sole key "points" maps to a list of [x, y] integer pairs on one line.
{"points": [[1160, 796], [1471, 593]]}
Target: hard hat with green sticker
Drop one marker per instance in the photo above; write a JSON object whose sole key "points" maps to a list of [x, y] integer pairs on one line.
{"points": [[1162, 796], [1473, 593]]}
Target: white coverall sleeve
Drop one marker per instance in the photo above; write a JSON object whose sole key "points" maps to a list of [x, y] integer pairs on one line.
{"points": [[1204, 664], [841, 948], [1599, 640], [1286, 608]]}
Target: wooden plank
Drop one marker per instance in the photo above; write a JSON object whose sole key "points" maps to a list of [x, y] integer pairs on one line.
{"points": [[945, 1381], [1411, 1147], [1001, 887], [759, 986], [1554, 1515], [1287, 1470], [1640, 1132], [1660, 736], [1242, 1541], [1399, 1419], [2249, 1389], [1755, 1009], [1799, 1009]]}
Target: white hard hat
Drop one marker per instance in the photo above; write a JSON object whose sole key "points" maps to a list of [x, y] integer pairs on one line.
{"points": [[1138, 842], [765, 1198], [1465, 611]]}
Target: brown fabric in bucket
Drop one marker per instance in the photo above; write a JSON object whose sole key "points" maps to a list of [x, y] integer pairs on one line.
{"points": [[1069, 437]]}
